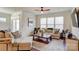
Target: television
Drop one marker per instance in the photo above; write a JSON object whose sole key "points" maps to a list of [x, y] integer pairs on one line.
{"points": [[75, 18]]}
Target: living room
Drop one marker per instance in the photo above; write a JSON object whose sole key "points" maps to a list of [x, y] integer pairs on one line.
{"points": [[24, 25]]}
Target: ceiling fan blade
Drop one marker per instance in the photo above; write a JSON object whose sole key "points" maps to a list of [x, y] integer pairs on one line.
{"points": [[37, 10], [42, 9], [46, 10]]}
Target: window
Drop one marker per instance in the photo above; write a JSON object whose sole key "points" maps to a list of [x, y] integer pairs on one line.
{"points": [[59, 22], [15, 25], [2, 19], [43, 22], [50, 22]]}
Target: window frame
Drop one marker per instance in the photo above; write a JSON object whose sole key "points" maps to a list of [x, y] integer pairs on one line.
{"points": [[4, 19], [54, 25], [52, 22], [43, 24], [59, 24], [15, 23]]}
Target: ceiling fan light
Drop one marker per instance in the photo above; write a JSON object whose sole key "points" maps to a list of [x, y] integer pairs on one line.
{"points": [[42, 12]]}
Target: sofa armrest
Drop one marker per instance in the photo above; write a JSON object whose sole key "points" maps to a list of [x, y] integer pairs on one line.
{"points": [[5, 40]]}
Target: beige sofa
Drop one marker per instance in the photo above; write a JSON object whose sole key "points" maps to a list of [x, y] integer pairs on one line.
{"points": [[9, 43], [55, 36], [22, 43]]}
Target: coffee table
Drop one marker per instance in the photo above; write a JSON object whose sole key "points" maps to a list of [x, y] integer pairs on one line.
{"points": [[45, 38]]}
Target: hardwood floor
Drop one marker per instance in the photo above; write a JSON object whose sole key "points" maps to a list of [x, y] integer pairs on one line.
{"points": [[54, 45], [72, 45], [57, 45], [33, 49]]}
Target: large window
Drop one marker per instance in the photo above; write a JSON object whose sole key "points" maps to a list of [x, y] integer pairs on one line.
{"points": [[52, 22], [43, 23], [15, 25], [59, 22], [2, 19]]}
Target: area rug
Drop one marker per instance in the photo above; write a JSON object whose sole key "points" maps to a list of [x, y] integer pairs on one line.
{"points": [[54, 45]]}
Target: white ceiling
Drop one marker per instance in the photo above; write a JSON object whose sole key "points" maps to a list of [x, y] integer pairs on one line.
{"points": [[32, 9]]}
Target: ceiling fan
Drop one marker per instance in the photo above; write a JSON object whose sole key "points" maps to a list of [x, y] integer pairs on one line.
{"points": [[42, 9]]}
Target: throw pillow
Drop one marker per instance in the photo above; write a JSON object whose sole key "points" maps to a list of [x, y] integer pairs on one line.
{"points": [[16, 34]]}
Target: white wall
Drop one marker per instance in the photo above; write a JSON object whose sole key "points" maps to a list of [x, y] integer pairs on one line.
{"points": [[23, 17], [75, 31], [16, 16], [24, 22], [66, 15], [5, 25]]}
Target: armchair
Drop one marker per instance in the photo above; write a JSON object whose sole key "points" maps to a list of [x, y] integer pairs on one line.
{"points": [[5, 41]]}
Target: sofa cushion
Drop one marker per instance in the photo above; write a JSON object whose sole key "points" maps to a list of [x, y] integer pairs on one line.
{"points": [[56, 31], [7, 35]]}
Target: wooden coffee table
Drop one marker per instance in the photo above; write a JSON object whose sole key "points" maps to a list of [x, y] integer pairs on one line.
{"points": [[45, 38]]}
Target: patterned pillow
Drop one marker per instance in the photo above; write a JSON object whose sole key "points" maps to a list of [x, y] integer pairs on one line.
{"points": [[7, 35], [56, 31], [16, 34]]}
